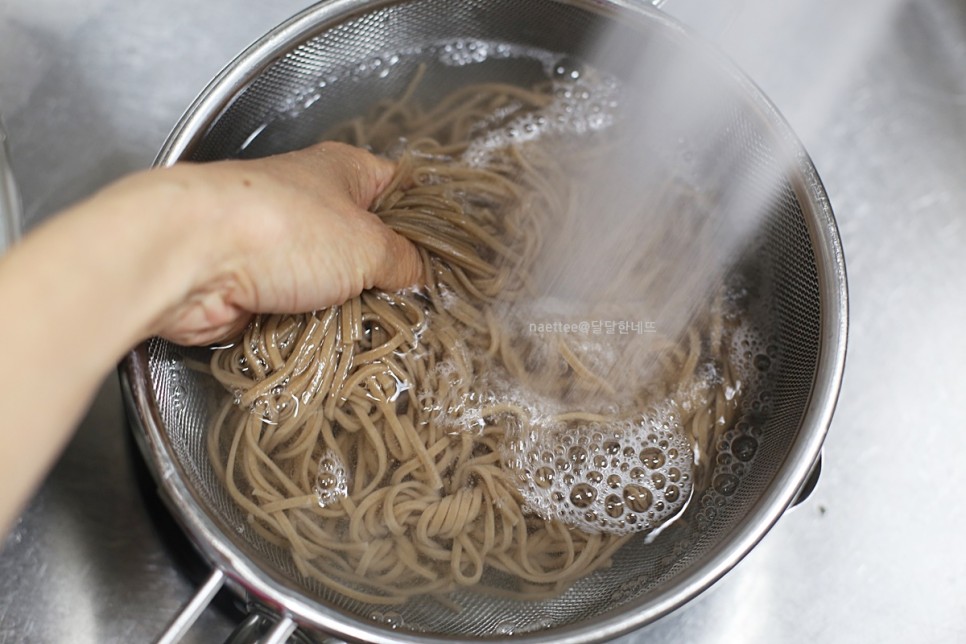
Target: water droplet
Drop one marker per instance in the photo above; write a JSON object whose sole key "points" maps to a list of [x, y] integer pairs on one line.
{"points": [[326, 481], [567, 68], [330, 479], [672, 493], [582, 495], [613, 506], [725, 484], [652, 457], [762, 362], [541, 624], [543, 477], [578, 456], [744, 448], [638, 498]]}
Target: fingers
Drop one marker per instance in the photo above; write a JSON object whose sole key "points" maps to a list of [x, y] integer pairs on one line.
{"points": [[184, 334], [283, 234], [401, 266], [362, 176], [334, 169]]}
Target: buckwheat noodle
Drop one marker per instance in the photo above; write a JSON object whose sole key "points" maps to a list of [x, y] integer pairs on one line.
{"points": [[349, 439]]}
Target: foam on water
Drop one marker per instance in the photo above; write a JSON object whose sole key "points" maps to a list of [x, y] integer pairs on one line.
{"points": [[595, 463], [616, 477], [331, 483], [456, 52], [582, 104], [460, 52]]}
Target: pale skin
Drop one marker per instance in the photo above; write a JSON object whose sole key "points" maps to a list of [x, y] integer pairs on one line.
{"points": [[187, 253]]}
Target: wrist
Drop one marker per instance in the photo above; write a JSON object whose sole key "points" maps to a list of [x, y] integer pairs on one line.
{"points": [[78, 292], [148, 242]]}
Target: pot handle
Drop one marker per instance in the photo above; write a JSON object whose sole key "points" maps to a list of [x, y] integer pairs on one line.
{"points": [[259, 627], [811, 481], [250, 631]]}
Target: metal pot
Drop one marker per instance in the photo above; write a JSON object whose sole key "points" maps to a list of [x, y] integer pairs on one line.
{"points": [[9, 198]]}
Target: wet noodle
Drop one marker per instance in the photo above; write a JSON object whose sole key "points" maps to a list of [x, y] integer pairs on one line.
{"points": [[414, 443]]}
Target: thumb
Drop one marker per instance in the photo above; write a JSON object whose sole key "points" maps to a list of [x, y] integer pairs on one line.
{"points": [[338, 173], [402, 264], [363, 176]]}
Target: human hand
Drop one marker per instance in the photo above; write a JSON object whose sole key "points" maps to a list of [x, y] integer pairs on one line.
{"points": [[187, 252], [288, 233]]}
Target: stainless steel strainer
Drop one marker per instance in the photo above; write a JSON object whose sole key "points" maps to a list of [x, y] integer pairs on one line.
{"points": [[336, 59], [9, 198]]}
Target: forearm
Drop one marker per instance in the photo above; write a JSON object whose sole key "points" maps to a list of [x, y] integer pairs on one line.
{"points": [[76, 294], [186, 253]]}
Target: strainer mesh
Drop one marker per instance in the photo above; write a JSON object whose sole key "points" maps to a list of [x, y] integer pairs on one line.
{"points": [[300, 94]]}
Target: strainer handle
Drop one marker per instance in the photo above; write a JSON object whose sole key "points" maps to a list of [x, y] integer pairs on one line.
{"points": [[191, 611], [189, 614]]}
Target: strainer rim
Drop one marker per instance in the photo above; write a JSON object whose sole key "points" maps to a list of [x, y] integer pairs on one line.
{"points": [[211, 540]]}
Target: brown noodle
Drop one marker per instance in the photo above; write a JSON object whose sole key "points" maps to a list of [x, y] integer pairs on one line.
{"points": [[342, 443]]}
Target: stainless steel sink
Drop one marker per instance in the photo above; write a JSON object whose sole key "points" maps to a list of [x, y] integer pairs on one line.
{"points": [[89, 90]]}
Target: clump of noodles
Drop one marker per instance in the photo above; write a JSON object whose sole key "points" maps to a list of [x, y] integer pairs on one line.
{"points": [[382, 441]]}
